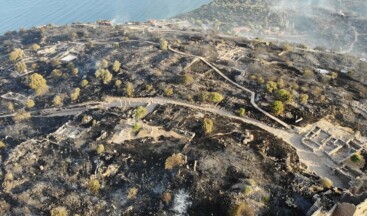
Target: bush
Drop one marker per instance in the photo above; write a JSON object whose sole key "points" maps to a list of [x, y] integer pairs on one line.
{"points": [[36, 47], [57, 101], [116, 66], [140, 112], [271, 86], [2, 144], [174, 161], [129, 88], [207, 126], [242, 209], [100, 149], [75, 71], [21, 116], [247, 190], [59, 211], [29, 103], [260, 80], [17, 54], [75, 94], [94, 186], [163, 44], [283, 95], [241, 112], [280, 83], [356, 158], [10, 107], [277, 108], [168, 91], [20, 67], [132, 193], [303, 98], [118, 84], [56, 73], [326, 183], [167, 198], [105, 75], [136, 127], [84, 83], [187, 79], [213, 97]]}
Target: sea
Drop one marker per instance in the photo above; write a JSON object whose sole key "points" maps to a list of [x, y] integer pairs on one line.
{"points": [[16, 14]]}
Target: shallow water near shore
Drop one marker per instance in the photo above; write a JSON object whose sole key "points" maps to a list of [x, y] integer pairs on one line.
{"points": [[15, 14]]}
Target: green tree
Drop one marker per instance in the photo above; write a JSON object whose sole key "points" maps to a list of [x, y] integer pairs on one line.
{"points": [[277, 108], [17, 54], [283, 95], [116, 66], [355, 158], [271, 86], [105, 75], [75, 94], [37, 83], [20, 67], [207, 126], [57, 100], [129, 88]]}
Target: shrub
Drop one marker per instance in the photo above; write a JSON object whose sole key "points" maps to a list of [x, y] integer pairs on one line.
{"points": [[247, 190], [168, 91], [20, 67], [303, 98], [29, 103], [84, 83], [280, 83], [75, 94], [2, 144], [271, 86], [260, 80], [75, 71], [149, 87], [100, 149], [103, 63], [187, 79], [213, 97], [163, 44], [10, 107], [277, 108], [174, 161], [132, 193], [140, 112], [36, 47], [129, 88], [59, 211], [242, 209], [118, 84], [356, 158], [241, 112], [136, 127], [17, 54], [167, 198], [326, 183], [57, 101], [116, 66], [21, 116], [207, 126], [283, 95], [56, 73], [94, 186]]}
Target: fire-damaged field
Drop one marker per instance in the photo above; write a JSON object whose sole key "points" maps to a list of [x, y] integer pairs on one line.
{"points": [[182, 171]]}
